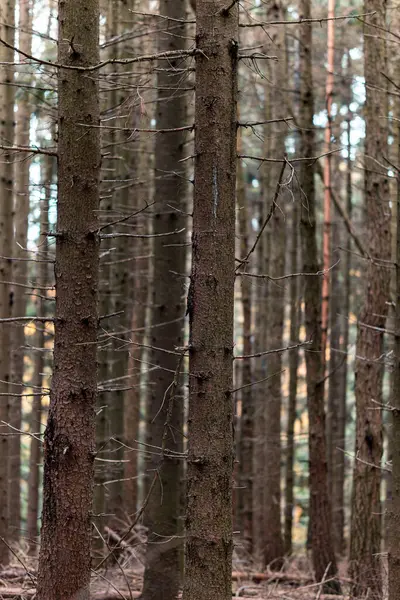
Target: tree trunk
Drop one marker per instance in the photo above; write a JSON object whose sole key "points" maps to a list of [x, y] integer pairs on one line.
{"points": [[165, 416], [19, 271], [69, 448], [323, 555], [210, 307], [338, 471], [365, 542], [327, 179], [39, 363], [273, 541], [7, 19], [293, 368], [393, 517], [247, 397]]}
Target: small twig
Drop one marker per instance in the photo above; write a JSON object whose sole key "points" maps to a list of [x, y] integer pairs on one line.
{"points": [[257, 382], [31, 577], [259, 354]]}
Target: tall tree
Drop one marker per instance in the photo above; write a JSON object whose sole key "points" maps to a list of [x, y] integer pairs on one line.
{"points": [[323, 554], [210, 306], [293, 377], [365, 543], [273, 540], [394, 505], [69, 447], [48, 168], [327, 174], [19, 272], [165, 410], [7, 22], [247, 415]]}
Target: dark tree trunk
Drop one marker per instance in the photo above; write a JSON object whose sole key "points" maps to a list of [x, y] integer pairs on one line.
{"points": [[210, 306], [323, 554], [7, 9], [162, 576], [245, 493], [69, 448], [365, 542], [293, 368]]}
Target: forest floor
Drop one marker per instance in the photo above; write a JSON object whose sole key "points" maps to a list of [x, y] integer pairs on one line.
{"points": [[123, 581]]}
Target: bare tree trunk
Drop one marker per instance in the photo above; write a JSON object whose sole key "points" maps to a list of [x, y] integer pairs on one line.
{"points": [[69, 448], [393, 517], [247, 417], [365, 542], [210, 307], [19, 272], [7, 19], [338, 467], [293, 368], [39, 363], [273, 541], [323, 554], [327, 179], [162, 576]]}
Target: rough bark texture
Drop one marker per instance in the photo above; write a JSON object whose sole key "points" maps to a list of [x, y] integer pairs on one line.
{"points": [[273, 541], [19, 271], [210, 306], [323, 555], [37, 379], [365, 542], [7, 8], [165, 416], [293, 367], [69, 447]]}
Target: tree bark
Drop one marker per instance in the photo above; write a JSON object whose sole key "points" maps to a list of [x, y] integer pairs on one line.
{"points": [[7, 21], [273, 541], [210, 307], [323, 555], [293, 368], [327, 178], [19, 271], [162, 576], [365, 542], [69, 447]]}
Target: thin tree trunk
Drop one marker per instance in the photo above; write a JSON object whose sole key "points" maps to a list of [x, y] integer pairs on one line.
{"points": [[210, 307], [7, 19], [69, 447], [162, 576], [39, 363], [247, 397], [323, 554], [365, 542], [327, 179], [101, 473], [19, 272], [338, 477], [293, 368], [273, 541], [262, 318], [393, 517]]}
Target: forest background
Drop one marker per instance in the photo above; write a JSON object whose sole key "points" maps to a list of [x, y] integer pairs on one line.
{"points": [[301, 108]]}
